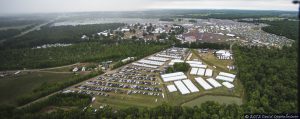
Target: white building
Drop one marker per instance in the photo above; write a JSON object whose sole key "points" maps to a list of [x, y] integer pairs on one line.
{"points": [[224, 54]]}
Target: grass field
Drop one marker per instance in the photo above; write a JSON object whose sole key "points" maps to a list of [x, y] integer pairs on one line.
{"points": [[24, 83], [125, 101], [219, 99]]}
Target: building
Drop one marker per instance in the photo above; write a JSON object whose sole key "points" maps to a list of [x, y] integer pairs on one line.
{"points": [[223, 54]]}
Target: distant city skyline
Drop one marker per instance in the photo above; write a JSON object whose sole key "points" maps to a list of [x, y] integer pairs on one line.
{"points": [[57, 6]]}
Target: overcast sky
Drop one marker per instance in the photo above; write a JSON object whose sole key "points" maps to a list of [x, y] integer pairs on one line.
{"points": [[49, 6]]}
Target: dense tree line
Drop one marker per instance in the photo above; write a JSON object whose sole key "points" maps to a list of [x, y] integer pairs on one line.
{"points": [[83, 52], [289, 29], [269, 77], [9, 33], [57, 34]]}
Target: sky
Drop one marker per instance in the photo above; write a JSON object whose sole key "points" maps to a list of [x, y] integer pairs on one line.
{"points": [[54, 6]]}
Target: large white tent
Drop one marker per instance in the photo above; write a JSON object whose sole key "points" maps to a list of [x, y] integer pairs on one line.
{"points": [[194, 62], [190, 85], [213, 82], [203, 83], [183, 90], [208, 72], [198, 65], [227, 74], [168, 56], [144, 65], [173, 76], [158, 58], [201, 72], [228, 85], [150, 62], [223, 78], [171, 88], [194, 71]]}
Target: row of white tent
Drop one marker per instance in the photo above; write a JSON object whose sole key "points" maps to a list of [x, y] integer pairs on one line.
{"points": [[196, 64], [186, 86], [150, 62], [169, 56], [144, 65], [201, 72], [212, 83], [158, 59]]}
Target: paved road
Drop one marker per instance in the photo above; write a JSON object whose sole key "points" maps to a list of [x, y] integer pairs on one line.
{"points": [[43, 69]]}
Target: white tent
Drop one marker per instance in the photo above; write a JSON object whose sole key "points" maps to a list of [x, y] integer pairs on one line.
{"points": [[198, 65], [171, 88], [203, 83], [144, 65], [150, 62], [158, 58], [224, 78], [190, 85], [228, 85], [227, 74], [173, 76], [201, 72], [194, 71], [213, 82], [208, 72], [183, 90]]}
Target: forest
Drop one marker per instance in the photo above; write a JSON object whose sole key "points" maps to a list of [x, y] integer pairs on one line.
{"points": [[289, 29], [57, 34], [82, 52], [269, 77]]}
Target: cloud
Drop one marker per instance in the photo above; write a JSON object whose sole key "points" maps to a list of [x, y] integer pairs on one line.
{"points": [[46, 6], [225, 4]]}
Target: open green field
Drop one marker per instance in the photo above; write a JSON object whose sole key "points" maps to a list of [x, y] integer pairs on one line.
{"points": [[24, 83], [219, 99], [124, 101]]}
